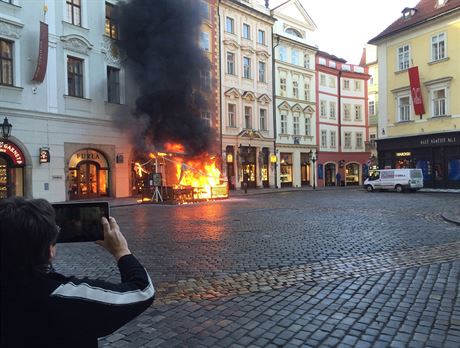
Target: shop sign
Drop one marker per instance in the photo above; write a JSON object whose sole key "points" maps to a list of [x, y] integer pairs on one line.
{"points": [[441, 140], [12, 151], [44, 155], [88, 155], [42, 60], [403, 154]]}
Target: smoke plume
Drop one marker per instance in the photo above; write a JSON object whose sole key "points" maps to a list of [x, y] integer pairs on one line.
{"points": [[160, 39]]}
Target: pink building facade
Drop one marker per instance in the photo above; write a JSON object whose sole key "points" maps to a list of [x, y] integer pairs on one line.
{"points": [[342, 121]]}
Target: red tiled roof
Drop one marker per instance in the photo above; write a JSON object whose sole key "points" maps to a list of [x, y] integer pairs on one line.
{"points": [[331, 56], [425, 11]]}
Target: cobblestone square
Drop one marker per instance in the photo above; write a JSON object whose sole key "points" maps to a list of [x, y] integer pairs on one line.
{"points": [[309, 268]]}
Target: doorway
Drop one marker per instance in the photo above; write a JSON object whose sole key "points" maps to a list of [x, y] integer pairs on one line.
{"points": [[329, 171], [88, 180]]}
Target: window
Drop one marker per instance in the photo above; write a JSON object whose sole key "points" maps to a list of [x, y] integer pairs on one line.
{"points": [[347, 140], [283, 86], [283, 123], [111, 26], [358, 113], [6, 62], [439, 102], [438, 47], [230, 63], [230, 25], [403, 57], [296, 124], [204, 40], [307, 126], [322, 111], [246, 67], [295, 57], [359, 140], [295, 89], [263, 119], [322, 80], [205, 79], [333, 139], [306, 61], [74, 12], [282, 51], [293, 32], [113, 85], [332, 110], [347, 112], [206, 117], [332, 81], [307, 91], [372, 138], [246, 31], [262, 72], [346, 84], [357, 85], [231, 115], [371, 108], [323, 138], [75, 77], [247, 117], [404, 109], [204, 9], [261, 37]]}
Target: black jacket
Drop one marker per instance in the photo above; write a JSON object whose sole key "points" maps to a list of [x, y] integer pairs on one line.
{"points": [[51, 310]]}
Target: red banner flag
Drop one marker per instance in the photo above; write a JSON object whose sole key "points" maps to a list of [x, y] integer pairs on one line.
{"points": [[415, 91], [42, 60]]}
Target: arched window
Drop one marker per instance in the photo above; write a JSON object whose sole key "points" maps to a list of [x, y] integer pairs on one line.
{"points": [[293, 32]]}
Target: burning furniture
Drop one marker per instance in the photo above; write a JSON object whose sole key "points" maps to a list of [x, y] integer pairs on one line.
{"points": [[177, 178]]}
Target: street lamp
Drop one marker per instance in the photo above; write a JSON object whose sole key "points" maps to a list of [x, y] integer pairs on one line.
{"points": [[6, 128], [313, 159]]}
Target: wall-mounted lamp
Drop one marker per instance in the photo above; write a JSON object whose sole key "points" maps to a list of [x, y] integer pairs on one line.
{"points": [[273, 158], [229, 158], [6, 128]]}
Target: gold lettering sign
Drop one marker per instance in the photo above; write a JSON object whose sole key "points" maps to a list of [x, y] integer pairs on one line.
{"points": [[403, 154]]}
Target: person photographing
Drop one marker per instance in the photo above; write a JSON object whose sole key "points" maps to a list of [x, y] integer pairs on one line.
{"points": [[42, 308]]}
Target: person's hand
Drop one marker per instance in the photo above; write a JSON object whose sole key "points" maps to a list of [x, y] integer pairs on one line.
{"points": [[114, 241]]}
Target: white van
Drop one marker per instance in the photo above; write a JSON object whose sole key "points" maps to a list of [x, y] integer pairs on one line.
{"points": [[397, 179]]}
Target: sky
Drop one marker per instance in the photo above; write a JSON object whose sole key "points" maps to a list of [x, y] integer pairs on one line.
{"points": [[345, 26]]}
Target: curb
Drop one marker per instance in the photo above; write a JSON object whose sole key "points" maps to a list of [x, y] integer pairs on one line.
{"points": [[450, 217]]}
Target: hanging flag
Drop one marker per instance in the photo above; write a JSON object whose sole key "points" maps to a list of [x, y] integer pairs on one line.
{"points": [[415, 91], [42, 60]]}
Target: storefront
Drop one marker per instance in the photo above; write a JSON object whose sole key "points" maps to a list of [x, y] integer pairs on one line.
{"points": [[352, 174], [88, 175], [438, 155], [248, 169], [12, 165], [286, 169], [304, 169], [329, 174], [264, 167]]}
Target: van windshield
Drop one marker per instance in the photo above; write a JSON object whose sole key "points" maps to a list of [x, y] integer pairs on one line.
{"points": [[416, 174]]}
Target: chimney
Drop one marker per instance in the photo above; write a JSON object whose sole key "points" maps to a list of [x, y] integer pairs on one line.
{"points": [[266, 3]]}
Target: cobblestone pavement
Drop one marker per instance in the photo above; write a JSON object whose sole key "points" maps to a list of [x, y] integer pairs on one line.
{"points": [[327, 268]]}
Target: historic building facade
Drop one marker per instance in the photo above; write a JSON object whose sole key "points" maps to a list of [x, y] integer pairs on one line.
{"points": [[63, 143], [342, 117], [246, 90], [295, 104], [419, 108]]}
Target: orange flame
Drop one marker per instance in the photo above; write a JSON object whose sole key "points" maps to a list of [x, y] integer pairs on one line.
{"points": [[172, 147]]}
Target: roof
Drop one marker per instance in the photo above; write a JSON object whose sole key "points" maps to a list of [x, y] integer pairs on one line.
{"points": [[425, 10], [331, 56]]}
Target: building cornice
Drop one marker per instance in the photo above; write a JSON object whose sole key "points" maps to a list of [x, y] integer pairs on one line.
{"points": [[237, 5]]}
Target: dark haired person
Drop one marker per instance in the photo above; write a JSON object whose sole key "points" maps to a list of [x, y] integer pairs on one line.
{"points": [[41, 308]]}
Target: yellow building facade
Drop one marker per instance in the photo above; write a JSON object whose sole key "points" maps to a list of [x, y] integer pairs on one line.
{"points": [[427, 37]]}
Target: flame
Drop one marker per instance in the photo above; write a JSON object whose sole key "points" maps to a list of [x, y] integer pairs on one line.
{"points": [[174, 147]]}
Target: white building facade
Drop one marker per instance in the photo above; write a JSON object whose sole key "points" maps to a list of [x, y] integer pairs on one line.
{"points": [[247, 95], [63, 133], [295, 102]]}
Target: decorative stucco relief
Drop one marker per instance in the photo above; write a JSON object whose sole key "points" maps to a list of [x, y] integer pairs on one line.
{"points": [[76, 43], [10, 29], [110, 50]]}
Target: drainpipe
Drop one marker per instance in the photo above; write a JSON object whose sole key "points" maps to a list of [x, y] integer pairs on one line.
{"points": [[224, 161], [274, 104]]}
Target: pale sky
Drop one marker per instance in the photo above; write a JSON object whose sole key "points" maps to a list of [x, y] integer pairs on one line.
{"points": [[345, 26]]}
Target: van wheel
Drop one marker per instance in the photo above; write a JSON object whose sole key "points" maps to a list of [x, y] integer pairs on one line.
{"points": [[399, 188], [369, 188]]}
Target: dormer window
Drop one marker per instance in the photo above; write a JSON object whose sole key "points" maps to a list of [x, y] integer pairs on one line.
{"points": [[440, 3], [408, 12], [293, 32]]}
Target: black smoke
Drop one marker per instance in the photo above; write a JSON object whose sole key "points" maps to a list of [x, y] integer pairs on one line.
{"points": [[160, 40]]}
